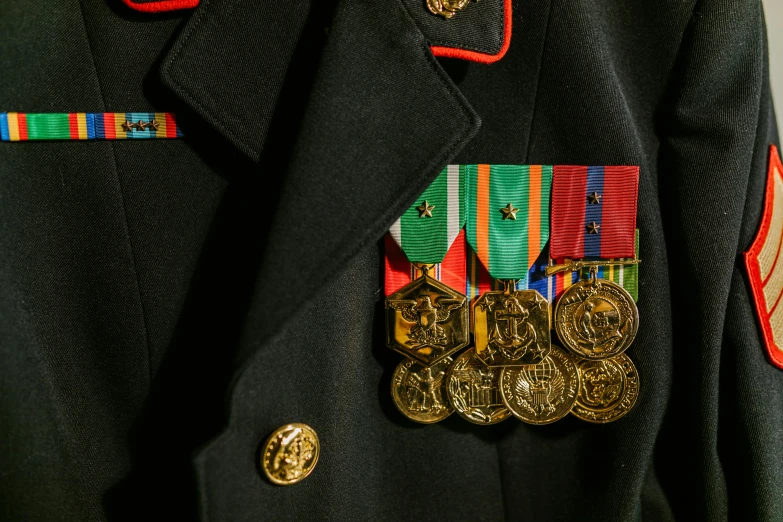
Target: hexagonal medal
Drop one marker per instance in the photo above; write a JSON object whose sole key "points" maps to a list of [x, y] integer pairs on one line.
{"points": [[427, 320], [511, 328]]}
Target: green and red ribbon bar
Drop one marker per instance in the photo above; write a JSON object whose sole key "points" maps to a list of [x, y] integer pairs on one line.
{"points": [[20, 126]]}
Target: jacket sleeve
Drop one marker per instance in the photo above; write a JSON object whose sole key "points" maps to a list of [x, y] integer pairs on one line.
{"points": [[717, 126]]}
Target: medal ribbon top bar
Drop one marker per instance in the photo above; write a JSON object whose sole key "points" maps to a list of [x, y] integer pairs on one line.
{"points": [[466, 268]]}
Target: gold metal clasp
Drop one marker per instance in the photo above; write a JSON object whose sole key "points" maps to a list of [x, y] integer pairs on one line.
{"points": [[576, 266], [423, 268], [509, 285]]}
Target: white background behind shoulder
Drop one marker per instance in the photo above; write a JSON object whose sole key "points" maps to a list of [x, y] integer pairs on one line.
{"points": [[774, 13]]}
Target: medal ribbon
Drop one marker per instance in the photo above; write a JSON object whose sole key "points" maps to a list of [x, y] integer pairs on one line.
{"points": [[426, 239], [508, 216], [399, 271], [20, 126], [594, 212], [551, 287]]}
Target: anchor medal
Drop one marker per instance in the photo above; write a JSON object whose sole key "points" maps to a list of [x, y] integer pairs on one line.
{"points": [[511, 328]]}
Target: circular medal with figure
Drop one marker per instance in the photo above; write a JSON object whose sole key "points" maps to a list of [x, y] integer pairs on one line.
{"points": [[419, 392], [596, 319], [473, 390], [608, 389], [541, 393], [290, 454]]}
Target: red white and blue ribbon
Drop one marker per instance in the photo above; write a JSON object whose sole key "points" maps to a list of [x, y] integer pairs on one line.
{"points": [[594, 212]]}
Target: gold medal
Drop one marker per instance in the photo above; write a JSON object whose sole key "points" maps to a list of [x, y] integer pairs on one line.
{"points": [[427, 320], [608, 389], [511, 328], [596, 319], [419, 392], [473, 390], [541, 393]]}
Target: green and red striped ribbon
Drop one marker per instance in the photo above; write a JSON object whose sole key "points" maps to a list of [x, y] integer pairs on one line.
{"points": [[426, 239], [506, 246]]}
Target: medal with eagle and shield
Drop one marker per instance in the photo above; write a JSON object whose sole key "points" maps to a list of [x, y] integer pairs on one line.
{"points": [[541, 393], [508, 227], [427, 320]]}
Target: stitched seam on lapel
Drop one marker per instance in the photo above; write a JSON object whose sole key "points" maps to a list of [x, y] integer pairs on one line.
{"points": [[538, 83], [174, 84], [126, 226], [380, 226]]}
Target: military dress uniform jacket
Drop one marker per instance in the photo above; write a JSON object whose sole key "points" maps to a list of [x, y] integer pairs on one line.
{"points": [[166, 304]]}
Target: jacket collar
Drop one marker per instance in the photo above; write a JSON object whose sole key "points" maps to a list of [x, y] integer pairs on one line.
{"points": [[383, 120]]}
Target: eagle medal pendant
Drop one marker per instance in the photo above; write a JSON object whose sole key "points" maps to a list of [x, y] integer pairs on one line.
{"points": [[473, 390], [511, 327], [419, 392], [596, 319], [541, 393], [427, 321], [608, 389]]}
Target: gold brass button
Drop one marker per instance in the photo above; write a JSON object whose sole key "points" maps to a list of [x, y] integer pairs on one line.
{"points": [[290, 454]]}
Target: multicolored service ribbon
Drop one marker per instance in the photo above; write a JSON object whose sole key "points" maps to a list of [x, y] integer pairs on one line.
{"points": [[462, 270], [508, 216], [20, 126], [427, 229], [594, 212], [626, 276]]}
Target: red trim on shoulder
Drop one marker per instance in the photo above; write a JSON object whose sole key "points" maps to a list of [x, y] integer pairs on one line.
{"points": [[161, 6], [763, 310], [473, 56]]}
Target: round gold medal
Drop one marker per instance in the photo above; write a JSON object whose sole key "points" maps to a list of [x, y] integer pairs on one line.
{"points": [[596, 319], [541, 393], [473, 390], [420, 392], [608, 389]]}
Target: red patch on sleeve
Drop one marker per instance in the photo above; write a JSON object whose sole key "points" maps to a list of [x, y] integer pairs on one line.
{"points": [[764, 263], [161, 5], [473, 56]]}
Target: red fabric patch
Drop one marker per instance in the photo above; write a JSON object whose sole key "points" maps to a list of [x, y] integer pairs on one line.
{"points": [[604, 229], [161, 6], [764, 263], [473, 56]]}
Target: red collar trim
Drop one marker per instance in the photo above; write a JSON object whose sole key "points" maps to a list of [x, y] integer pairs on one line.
{"points": [[161, 6], [473, 56]]}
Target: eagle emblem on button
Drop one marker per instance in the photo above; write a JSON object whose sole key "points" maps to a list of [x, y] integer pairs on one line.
{"points": [[446, 8], [290, 454]]}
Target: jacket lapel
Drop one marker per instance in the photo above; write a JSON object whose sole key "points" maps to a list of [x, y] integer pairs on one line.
{"points": [[382, 120], [230, 61]]}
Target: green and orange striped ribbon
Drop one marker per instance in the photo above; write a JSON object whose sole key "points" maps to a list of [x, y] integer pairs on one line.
{"points": [[508, 247]]}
